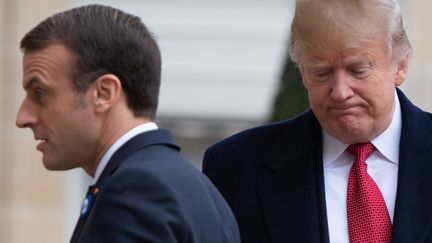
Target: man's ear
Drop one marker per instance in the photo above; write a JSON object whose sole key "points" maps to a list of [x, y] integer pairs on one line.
{"points": [[402, 70], [107, 92]]}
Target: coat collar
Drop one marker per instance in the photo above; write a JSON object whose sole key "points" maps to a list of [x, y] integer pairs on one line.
{"points": [[159, 136], [295, 189]]}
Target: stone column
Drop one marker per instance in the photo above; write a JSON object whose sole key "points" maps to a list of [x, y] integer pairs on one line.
{"points": [[418, 86]]}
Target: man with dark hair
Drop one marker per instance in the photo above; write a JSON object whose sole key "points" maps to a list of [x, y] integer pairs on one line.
{"points": [[92, 77], [357, 166]]}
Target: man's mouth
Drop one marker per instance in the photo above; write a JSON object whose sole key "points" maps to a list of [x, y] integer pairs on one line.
{"points": [[41, 139], [42, 142], [346, 110]]}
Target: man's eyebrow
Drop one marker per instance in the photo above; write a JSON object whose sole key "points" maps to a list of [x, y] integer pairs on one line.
{"points": [[31, 83], [358, 59]]}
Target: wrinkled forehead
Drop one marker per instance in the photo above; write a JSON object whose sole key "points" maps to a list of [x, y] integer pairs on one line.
{"points": [[343, 49]]}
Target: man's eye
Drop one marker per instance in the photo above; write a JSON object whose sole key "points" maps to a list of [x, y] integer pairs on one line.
{"points": [[321, 75], [360, 71], [39, 94]]}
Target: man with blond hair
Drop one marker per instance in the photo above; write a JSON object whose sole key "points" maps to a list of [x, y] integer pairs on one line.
{"points": [[357, 166]]}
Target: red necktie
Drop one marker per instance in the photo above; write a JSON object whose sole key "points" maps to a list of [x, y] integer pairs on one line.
{"points": [[368, 217]]}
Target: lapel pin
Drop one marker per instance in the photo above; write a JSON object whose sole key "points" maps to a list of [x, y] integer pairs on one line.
{"points": [[86, 205], [88, 202]]}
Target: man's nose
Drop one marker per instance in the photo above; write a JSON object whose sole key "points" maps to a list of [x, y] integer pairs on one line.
{"points": [[341, 89], [25, 117]]}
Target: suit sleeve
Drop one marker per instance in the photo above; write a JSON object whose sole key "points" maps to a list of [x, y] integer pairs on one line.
{"points": [[137, 207]]}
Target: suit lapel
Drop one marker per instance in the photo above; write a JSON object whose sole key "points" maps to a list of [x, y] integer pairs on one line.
{"points": [[81, 220], [292, 197], [413, 209]]}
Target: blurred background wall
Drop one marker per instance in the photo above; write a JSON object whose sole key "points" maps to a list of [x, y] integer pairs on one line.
{"points": [[222, 61], [32, 200]]}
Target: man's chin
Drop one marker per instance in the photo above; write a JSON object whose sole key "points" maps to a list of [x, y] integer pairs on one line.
{"points": [[353, 135], [350, 132], [52, 166]]}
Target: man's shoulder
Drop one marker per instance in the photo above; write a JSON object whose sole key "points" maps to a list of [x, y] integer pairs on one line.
{"points": [[412, 115], [156, 159], [265, 135], [150, 156], [249, 148], [256, 136]]}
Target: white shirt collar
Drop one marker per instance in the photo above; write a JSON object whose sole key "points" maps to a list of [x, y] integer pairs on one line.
{"points": [[387, 143], [145, 127]]}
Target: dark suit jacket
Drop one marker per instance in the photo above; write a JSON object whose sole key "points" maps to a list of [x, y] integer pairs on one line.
{"points": [[272, 177], [149, 193]]}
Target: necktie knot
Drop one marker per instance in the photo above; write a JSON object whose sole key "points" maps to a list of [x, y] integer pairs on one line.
{"points": [[361, 151]]}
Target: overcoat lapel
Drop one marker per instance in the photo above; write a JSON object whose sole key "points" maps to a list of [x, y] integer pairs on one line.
{"points": [[292, 197], [413, 209]]}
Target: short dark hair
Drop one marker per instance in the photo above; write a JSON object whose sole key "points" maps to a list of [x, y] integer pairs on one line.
{"points": [[105, 40]]}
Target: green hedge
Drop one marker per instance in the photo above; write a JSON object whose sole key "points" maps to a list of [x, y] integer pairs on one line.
{"points": [[291, 98]]}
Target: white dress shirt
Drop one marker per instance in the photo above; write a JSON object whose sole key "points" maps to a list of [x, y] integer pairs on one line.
{"points": [[145, 127], [382, 167]]}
